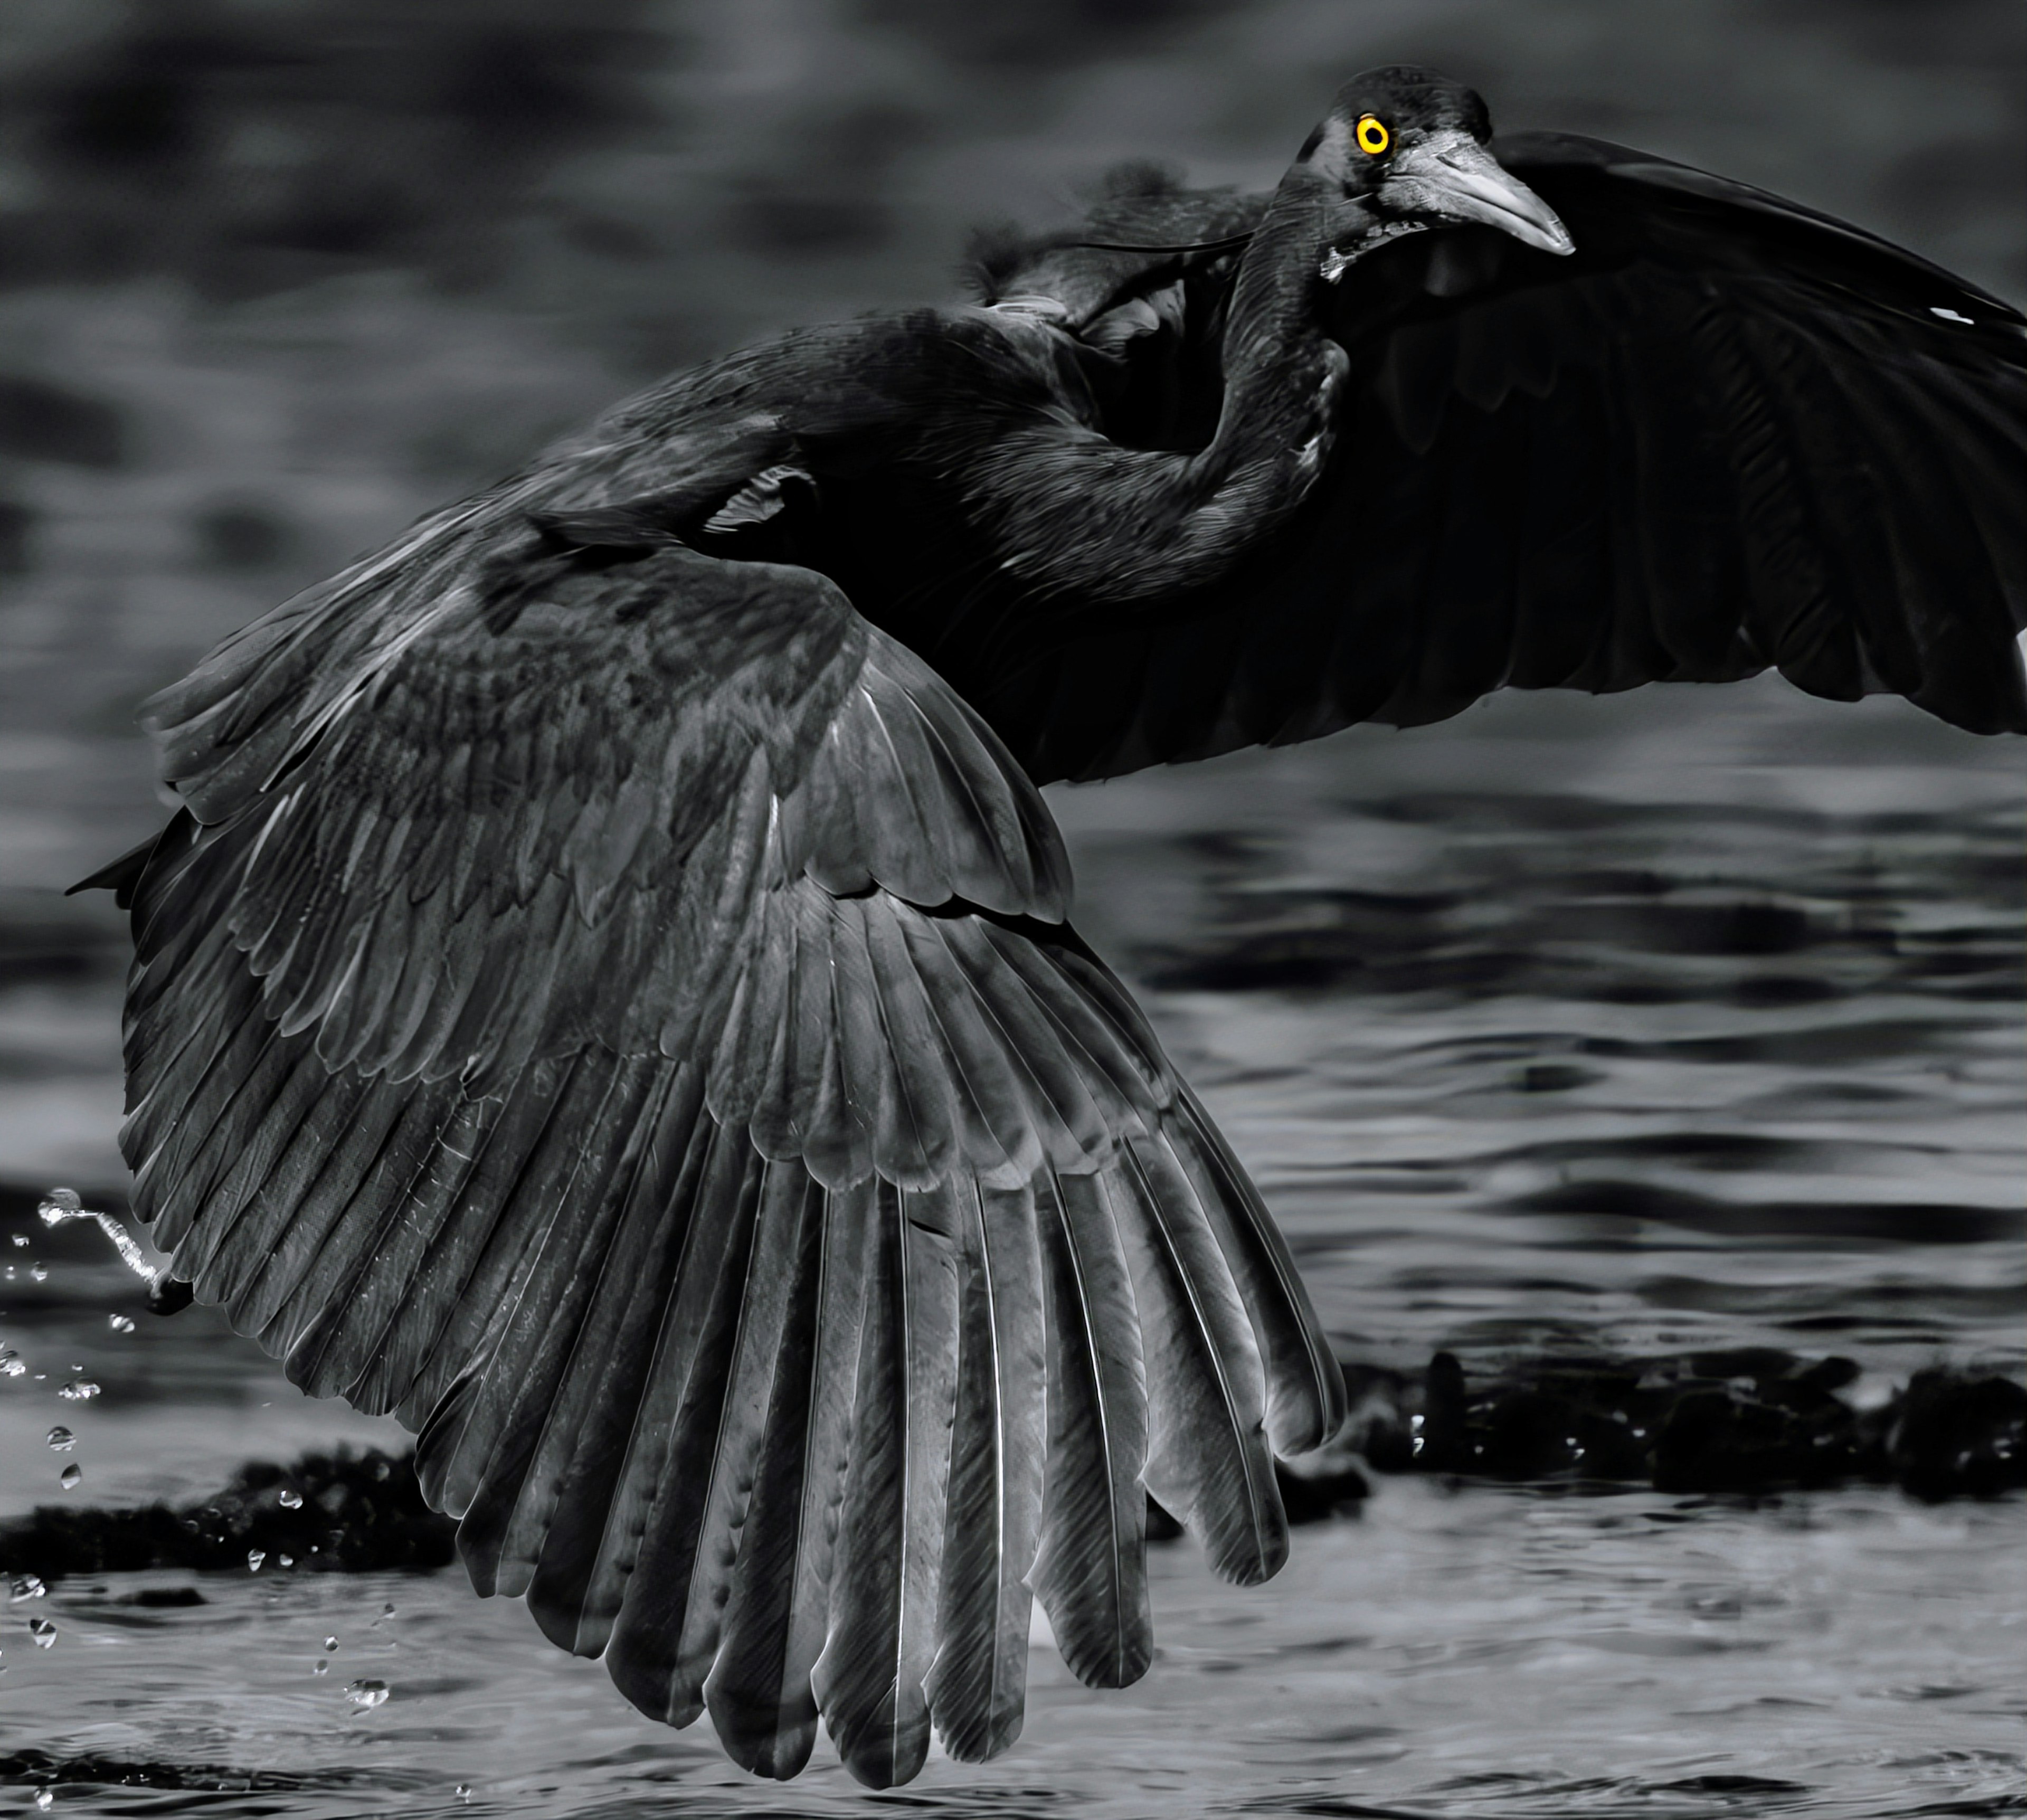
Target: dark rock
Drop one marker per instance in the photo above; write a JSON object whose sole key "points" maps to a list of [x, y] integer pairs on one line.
{"points": [[1381, 1405], [1950, 1435], [1329, 1482], [41, 1769], [1714, 1440], [356, 1512], [1748, 1421], [1751, 1421]]}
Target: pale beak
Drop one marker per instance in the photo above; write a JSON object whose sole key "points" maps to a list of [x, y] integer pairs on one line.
{"points": [[1454, 178]]}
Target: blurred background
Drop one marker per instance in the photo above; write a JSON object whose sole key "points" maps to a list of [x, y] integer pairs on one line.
{"points": [[1686, 1018]]}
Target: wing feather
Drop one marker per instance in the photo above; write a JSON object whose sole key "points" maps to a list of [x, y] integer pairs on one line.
{"points": [[1090, 1569], [1676, 455], [978, 1688], [1208, 1461], [615, 1014], [759, 1691]]}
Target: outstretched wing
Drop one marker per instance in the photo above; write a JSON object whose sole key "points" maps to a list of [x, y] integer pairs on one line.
{"points": [[612, 1009], [1728, 433]]}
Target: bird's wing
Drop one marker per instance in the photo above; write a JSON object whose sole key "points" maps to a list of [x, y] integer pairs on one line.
{"points": [[1728, 433], [611, 1009]]}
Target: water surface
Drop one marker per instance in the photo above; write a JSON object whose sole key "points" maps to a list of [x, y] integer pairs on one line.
{"points": [[1687, 1019]]}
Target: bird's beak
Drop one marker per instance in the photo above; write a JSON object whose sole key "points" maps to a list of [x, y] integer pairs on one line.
{"points": [[1454, 178]]}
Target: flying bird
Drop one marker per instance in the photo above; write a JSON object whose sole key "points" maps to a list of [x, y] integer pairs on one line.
{"points": [[606, 997]]}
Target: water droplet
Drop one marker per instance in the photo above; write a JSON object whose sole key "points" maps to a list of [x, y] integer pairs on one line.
{"points": [[25, 1586], [10, 1362], [368, 1693], [119, 1323], [45, 1799], [61, 1440], [285, 1561], [72, 1477], [319, 1667], [329, 1643], [77, 1390], [254, 1558], [292, 1500], [43, 1631]]}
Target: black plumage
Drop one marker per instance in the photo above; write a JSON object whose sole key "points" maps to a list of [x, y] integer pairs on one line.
{"points": [[607, 999]]}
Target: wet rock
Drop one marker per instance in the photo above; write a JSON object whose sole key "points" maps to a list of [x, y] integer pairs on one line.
{"points": [[1750, 1419], [1715, 1441], [1329, 1482], [43, 1770], [1380, 1406], [1950, 1436], [351, 1513]]}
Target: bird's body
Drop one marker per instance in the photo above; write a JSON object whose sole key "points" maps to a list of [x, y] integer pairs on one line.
{"points": [[608, 998]]}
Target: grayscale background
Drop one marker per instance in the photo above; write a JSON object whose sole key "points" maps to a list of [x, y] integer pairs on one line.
{"points": [[1686, 1018]]}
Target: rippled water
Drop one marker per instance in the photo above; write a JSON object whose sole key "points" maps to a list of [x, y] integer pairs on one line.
{"points": [[1690, 1018]]}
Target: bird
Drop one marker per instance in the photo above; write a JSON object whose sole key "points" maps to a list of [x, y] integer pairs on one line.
{"points": [[607, 997]]}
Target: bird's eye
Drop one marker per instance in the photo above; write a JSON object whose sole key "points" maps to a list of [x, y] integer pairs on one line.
{"points": [[1372, 135]]}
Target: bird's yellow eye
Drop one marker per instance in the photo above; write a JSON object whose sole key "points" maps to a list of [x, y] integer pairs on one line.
{"points": [[1373, 134]]}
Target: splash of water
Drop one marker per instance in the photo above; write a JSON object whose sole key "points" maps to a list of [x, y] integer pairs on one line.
{"points": [[60, 1205]]}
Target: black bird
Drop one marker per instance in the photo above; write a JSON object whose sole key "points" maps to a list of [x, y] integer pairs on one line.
{"points": [[607, 997]]}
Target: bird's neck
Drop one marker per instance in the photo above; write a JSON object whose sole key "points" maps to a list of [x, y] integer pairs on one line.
{"points": [[1280, 368], [1111, 525]]}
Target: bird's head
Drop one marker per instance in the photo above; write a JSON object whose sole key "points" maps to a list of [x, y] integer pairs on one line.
{"points": [[1407, 149]]}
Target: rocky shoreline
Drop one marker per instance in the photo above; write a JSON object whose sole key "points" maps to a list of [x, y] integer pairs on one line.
{"points": [[1752, 1422]]}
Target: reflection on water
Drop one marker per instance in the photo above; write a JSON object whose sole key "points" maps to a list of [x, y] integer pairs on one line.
{"points": [[1690, 1019]]}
